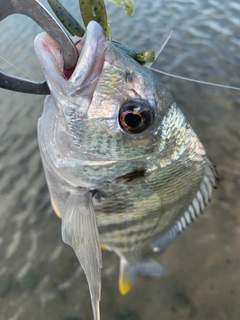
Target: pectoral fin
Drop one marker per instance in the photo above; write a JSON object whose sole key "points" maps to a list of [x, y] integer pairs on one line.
{"points": [[79, 230]]}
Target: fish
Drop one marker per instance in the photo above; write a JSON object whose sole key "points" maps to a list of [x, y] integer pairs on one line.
{"points": [[124, 168]]}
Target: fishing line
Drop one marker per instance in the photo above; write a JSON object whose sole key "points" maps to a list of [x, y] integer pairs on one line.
{"points": [[194, 80], [153, 69], [148, 65], [1, 57], [157, 52]]}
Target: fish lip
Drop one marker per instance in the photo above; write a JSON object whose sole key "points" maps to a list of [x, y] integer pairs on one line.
{"points": [[89, 66], [91, 49]]}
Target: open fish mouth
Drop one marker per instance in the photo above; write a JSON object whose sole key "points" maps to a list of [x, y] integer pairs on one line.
{"points": [[83, 77]]}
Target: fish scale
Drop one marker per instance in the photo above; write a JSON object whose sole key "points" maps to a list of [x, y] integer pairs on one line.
{"points": [[167, 204]]}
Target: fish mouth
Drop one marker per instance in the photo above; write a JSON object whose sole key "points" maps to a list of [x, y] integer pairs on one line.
{"points": [[83, 77]]}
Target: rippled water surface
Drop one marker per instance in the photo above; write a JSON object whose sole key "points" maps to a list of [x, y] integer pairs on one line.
{"points": [[40, 277]]}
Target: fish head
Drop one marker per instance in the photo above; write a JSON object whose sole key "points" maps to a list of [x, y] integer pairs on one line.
{"points": [[108, 108]]}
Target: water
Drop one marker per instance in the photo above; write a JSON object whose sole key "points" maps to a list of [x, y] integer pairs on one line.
{"points": [[40, 277]]}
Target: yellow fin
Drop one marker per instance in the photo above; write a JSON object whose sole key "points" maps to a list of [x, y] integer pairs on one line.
{"points": [[125, 283], [103, 246], [55, 208], [129, 272]]}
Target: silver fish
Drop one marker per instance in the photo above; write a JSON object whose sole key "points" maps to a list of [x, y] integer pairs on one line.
{"points": [[123, 166]]}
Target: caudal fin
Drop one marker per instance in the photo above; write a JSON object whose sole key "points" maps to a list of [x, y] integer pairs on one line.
{"points": [[130, 272]]}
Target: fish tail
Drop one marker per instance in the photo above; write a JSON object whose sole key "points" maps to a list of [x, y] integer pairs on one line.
{"points": [[129, 272]]}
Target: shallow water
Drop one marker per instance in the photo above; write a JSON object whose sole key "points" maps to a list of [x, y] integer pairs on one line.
{"points": [[40, 278]]}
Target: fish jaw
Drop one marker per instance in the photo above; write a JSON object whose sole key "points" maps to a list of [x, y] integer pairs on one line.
{"points": [[83, 77]]}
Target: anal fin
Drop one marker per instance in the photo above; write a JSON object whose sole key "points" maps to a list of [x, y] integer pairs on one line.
{"points": [[55, 208], [129, 272]]}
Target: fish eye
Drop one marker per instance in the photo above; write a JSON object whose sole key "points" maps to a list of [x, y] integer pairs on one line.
{"points": [[135, 116]]}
